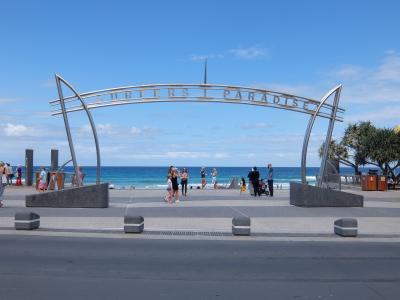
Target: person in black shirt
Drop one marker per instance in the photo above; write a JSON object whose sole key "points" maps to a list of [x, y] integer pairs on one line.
{"points": [[250, 176], [203, 178], [255, 181], [270, 180], [175, 186]]}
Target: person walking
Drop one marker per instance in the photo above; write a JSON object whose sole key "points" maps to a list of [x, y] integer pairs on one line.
{"points": [[19, 176], [255, 182], [184, 181], [168, 196], [250, 176], [43, 179], [270, 180], [81, 175], [3, 182], [214, 174], [9, 173], [175, 186], [203, 178]]}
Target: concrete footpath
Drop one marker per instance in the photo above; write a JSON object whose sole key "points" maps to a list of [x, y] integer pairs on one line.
{"points": [[207, 215]]}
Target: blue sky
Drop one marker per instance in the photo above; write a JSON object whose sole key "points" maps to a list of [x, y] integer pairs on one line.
{"points": [[302, 47]]}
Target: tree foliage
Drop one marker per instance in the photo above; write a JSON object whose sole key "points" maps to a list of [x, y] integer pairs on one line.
{"points": [[364, 144]]}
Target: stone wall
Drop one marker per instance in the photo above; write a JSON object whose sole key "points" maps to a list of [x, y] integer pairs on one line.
{"points": [[90, 196], [311, 196]]}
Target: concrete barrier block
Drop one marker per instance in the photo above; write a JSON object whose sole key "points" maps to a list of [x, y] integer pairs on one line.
{"points": [[88, 196], [26, 221], [133, 224], [241, 226], [346, 227], [305, 195]]}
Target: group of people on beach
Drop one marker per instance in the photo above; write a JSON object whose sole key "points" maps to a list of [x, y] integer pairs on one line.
{"points": [[7, 175], [257, 185], [174, 175], [46, 178]]}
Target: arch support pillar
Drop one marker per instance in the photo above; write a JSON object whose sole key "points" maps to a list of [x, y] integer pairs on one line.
{"points": [[60, 80], [336, 90]]}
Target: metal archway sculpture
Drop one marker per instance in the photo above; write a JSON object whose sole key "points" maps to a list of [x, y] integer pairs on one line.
{"points": [[199, 93]]}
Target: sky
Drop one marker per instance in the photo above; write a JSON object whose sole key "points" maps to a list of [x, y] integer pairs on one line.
{"points": [[301, 47]]}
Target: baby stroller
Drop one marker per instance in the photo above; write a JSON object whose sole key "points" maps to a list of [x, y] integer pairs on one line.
{"points": [[263, 188]]}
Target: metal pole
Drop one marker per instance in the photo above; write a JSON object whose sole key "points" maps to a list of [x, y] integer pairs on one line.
{"points": [[205, 71], [309, 129], [96, 140], [67, 128], [329, 136]]}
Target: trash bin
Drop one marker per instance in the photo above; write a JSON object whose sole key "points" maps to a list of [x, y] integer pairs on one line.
{"points": [[60, 180], [382, 183], [369, 182], [37, 178]]}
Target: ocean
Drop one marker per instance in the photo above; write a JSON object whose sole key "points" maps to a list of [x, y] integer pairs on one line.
{"points": [[155, 177]]}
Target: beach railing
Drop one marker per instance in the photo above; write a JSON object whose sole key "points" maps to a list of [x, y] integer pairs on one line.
{"points": [[338, 181], [351, 179]]}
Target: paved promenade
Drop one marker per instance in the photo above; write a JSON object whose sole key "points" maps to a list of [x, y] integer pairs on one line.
{"points": [[211, 211]]}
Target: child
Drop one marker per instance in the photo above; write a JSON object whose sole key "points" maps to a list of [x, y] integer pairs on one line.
{"points": [[243, 186]]}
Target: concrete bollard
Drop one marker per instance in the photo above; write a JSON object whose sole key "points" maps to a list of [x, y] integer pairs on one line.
{"points": [[346, 227], [26, 221], [241, 226], [133, 224]]}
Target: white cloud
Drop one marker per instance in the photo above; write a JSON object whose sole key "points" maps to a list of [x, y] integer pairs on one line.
{"points": [[361, 85], [186, 154], [248, 155], [105, 129], [248, 53], [136, 131], [196, 57], [348, 72], [243, 53], [145, 130], [371, 85], [259, 125], [166, 155], [19, 130], [221, 155], [6, 100], [303, 90], [102, 129], [378, 114], [390, 68], [49, 83]]}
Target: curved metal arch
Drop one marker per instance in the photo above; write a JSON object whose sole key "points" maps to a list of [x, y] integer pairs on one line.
{"points": [[59, 79], [118, 96], [310, 125], [333, 110], [178, 85]]}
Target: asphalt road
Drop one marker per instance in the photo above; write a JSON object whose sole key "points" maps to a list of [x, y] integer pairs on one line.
{"points": [[37, 267]]}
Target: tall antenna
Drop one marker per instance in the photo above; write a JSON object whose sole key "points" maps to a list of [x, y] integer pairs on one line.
{"points": [[205, 71]]}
